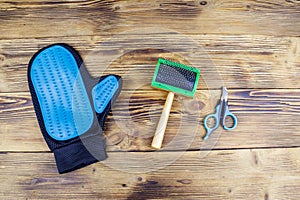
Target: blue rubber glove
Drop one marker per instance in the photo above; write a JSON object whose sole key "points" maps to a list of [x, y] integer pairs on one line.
{"points": [[70, 105]]}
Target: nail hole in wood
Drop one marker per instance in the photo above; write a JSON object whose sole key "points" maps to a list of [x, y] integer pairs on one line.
{"points": [[203, 3]]}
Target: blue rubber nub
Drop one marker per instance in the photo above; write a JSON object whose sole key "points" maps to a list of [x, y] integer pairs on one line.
{"points": [[61, 93], [103, 93]]}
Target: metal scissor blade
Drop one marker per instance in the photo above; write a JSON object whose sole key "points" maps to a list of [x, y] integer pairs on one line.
{"points": [[224, 94]]}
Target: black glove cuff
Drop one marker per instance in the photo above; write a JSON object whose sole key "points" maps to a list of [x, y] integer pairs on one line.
{"points": [[80, 153]]}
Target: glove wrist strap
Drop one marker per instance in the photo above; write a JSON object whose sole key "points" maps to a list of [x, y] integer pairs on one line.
{"points": [[83, 152]]}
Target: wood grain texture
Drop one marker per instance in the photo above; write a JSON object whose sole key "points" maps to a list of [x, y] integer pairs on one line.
{"points": [[237, 61], [244, 174], [64, 18], [250, 46], [267, 118]]}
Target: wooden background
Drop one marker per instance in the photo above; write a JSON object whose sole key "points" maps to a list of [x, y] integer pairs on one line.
{"points": [[255, 47]]}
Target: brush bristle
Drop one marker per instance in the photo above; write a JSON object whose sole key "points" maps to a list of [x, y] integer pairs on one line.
{"points": [[176, 77]]}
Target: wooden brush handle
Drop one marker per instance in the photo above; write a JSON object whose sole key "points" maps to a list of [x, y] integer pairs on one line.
{"points": [[162, 124]]}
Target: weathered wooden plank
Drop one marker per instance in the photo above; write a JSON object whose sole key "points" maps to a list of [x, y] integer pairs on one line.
{"points": [[267, 118], [254, 46], [40, 18], [237, 61], [244, 174]]}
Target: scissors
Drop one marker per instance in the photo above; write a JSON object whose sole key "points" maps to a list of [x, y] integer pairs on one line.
{"points": [[222, 112]]}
